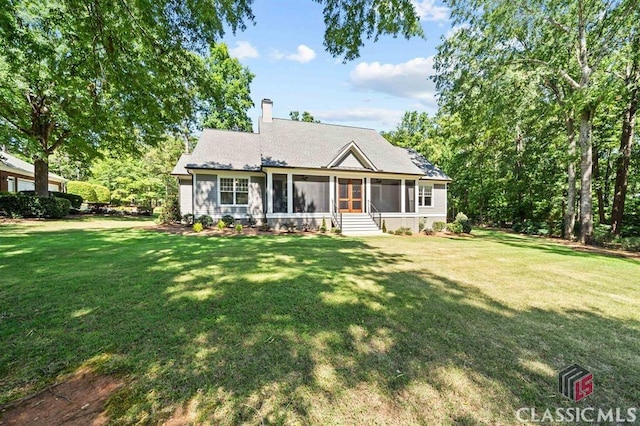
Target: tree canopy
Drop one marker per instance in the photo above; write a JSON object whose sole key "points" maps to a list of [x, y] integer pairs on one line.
{"points": [[532, 85], [82, 76]]}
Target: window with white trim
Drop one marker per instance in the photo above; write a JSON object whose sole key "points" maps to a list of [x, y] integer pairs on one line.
{"points": [[234, 191], [425, 196]]}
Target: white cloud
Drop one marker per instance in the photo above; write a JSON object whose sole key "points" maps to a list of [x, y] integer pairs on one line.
{"points": [[405, 80], [303, 54], [387, 117], [243, 49], [428, 10]]}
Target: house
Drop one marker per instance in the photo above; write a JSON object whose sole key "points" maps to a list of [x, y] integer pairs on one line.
{"points": [[17, 175], [292, 171]]}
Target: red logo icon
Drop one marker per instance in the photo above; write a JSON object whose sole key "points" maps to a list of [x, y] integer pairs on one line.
{"points": [[575, 382]]}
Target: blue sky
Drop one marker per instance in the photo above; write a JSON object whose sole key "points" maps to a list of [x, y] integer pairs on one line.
{"points": [[284, 50]]}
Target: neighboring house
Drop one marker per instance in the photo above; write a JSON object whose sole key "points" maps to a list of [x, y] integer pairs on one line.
{"points": [[293, 171], [18, 175]]}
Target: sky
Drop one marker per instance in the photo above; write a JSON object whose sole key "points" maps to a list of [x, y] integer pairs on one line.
{"points": [[285, 52]]}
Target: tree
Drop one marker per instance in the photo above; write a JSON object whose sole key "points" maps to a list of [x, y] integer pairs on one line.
{"points": [[306, 117], [630, 76], [82, 76], [558, 40], [227, 94]]}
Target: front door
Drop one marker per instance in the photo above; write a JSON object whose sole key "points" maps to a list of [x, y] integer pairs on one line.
{"points": [[350, 195]]}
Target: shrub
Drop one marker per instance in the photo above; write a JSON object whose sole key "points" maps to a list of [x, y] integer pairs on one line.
{"points": [[323, 227], [187, 219], [251, 221], [75, 200], [103, 195], [403, 230], [439, 226], [205, 220], [228, 220], [384, 227], [171, 210], [221, 225], [421, 225], [429, 231], [289, 226], [22, 205], [336, 230], [239, 228], [463, 220], [197, 227], [84, 189], [454, 227]]}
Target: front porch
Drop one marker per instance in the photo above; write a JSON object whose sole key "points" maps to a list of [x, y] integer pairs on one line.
{"points": [[309, 196]]}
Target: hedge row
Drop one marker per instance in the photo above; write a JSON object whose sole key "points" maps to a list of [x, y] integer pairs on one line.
{"points": [[22, 205], [90, 192], [76, 200]]}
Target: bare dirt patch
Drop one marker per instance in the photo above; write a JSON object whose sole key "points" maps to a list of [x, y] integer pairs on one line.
{"points": [[79, 400]]}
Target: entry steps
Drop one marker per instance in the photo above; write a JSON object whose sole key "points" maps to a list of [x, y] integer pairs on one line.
{"points": [[359, 224]]}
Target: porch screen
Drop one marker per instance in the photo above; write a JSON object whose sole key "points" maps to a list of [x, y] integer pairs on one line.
{"points": [[279, 193], [385, 195], [310, 194], [410, 196]]}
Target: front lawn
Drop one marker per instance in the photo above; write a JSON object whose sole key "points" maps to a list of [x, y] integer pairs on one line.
{"points": [[315, 329]]}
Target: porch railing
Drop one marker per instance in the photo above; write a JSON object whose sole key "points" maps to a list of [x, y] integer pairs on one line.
{"points": [[375, 215], [337, 216]]}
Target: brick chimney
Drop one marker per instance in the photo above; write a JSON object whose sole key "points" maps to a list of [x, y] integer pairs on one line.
{"points": [[267, 110]]}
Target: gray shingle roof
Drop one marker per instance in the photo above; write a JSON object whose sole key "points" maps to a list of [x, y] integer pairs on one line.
{"points": [[180, 168], [287, 143], [226, 150], [10, 162]]}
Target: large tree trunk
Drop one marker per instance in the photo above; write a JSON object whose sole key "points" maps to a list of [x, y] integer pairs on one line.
{"points": [[586, 160], [42, 176], [570, 213], [595, 170], [622, 169]]}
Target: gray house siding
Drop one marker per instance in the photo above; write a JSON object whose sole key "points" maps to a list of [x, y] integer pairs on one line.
{"points": [[257, 190], [439, 201], [206, 193], [206, 198], [186, 196]]}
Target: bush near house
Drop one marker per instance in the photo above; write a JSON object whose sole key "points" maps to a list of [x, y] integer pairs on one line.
{"points": [[76, 200], [24, 205], [439, 226], [464, 222], [90, 192]]}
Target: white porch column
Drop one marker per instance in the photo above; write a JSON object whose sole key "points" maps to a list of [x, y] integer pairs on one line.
{"points": [[269, 192], [289, 192], [417, 192], [402, 196], [332, 193], [367, 194]]}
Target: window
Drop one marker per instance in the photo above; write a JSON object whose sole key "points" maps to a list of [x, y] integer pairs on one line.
{"points": [[425, 198], [234, 191], [11, 184]]}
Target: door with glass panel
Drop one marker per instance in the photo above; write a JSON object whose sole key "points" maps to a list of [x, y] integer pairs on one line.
{"points": [[350, 195]]}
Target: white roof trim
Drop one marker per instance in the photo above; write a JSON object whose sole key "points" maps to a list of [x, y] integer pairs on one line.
{"points": [[352, 147]]}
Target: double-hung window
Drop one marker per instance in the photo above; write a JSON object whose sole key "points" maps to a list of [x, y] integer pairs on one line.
{"points": [[234, 191], [425, 196]]}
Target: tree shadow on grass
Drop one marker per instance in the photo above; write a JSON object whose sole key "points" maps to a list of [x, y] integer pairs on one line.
{"points": [[290, 329]]}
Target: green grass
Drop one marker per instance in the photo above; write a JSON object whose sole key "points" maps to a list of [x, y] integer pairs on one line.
{"points": [[315, 329]]}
